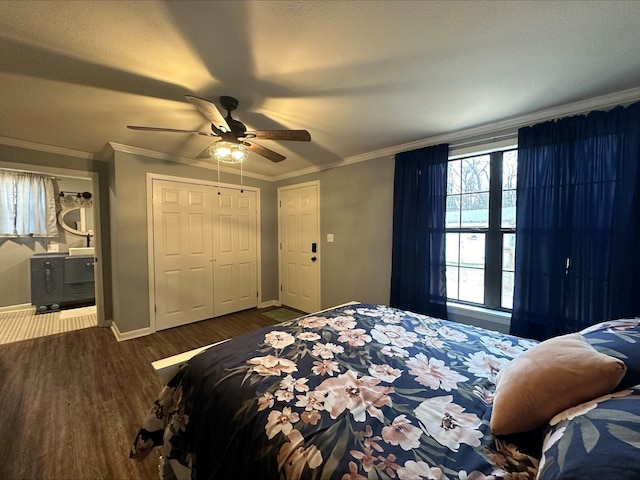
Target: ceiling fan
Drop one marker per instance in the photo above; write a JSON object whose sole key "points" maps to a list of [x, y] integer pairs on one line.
{"points": [[234, 137]]}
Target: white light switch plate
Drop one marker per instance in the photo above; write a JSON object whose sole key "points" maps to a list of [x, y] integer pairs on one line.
{"points": [[330, 237]]}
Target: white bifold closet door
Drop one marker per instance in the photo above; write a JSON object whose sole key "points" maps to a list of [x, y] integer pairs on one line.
{"points": [[235, 275], [205, 256]]}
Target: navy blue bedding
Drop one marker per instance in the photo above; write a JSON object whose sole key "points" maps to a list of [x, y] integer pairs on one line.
{"points": [[357, 392]]}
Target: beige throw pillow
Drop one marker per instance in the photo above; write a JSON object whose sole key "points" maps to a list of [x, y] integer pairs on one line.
{"points": [[550, 377]]}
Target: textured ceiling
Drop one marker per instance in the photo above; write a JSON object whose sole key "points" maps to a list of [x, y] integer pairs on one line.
{"points": [[361, 76]]}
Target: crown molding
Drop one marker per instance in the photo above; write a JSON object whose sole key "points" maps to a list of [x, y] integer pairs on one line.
{"points": [[481, 133], [12, 142], [186, 161], [341, 163], [484, 133], [602, 102]]}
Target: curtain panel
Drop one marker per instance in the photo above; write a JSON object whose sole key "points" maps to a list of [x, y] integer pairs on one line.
{"points": [[27, 205], [578, 227], [418, 280]]}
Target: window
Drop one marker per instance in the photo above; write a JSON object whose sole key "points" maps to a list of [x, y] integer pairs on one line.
{"points": [[480, 229], [27, 205]]}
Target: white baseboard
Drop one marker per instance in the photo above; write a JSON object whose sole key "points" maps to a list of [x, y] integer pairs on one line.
{"points": [[270, 303], [122, 336], [17, 308]]}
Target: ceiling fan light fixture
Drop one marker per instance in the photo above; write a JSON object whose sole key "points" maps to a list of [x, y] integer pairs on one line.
{"points": [[228, 152]]}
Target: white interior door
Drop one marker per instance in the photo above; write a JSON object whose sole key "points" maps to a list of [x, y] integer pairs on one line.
{"points": [[235, 255], [299, 221], [183, 253]]}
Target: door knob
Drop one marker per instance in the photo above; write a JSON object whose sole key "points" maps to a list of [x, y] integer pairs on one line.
{"points": [[313, 259]]}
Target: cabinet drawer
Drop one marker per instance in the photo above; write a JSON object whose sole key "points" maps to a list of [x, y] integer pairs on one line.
{"points": [[78, 269], [78, 291]]}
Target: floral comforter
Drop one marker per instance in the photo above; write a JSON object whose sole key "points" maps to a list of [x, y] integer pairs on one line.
{"points": [[358, 392]]}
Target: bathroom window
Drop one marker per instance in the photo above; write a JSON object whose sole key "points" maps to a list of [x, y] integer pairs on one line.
{"points": [[27, 205]]}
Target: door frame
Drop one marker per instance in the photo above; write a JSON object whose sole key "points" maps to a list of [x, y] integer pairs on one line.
{"points": [[150, 251], [94, 177], [312, 183]]}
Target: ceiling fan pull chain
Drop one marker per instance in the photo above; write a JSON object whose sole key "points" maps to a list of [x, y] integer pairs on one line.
{"points": [[218, 177], [241, 180]]}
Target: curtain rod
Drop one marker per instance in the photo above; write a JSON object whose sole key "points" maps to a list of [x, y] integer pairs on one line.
{"points": [[29, 171]]}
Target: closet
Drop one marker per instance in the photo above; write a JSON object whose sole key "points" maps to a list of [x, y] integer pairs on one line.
{"points": [[204, 251]]}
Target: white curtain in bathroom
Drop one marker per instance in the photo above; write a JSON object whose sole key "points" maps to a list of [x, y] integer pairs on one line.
{"points": [[7, 204], [27, 205]]}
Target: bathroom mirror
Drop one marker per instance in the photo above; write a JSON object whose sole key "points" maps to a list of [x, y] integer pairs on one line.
{"points": [[76, 220]]}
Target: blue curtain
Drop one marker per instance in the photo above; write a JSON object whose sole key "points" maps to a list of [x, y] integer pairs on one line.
{"points": [[418, 281], [578, 223]]}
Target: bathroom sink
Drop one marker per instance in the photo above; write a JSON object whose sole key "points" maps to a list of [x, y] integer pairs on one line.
{"points": [[74, 251]]}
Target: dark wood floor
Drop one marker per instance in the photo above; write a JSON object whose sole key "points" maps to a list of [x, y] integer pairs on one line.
{"points": [[71, 404]]}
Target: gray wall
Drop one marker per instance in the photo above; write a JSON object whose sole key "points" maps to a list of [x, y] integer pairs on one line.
{"points": [[356, 205], [128, 199]]}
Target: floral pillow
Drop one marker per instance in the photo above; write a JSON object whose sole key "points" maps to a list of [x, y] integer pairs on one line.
{"points": [[597, 439], [620, 339]]}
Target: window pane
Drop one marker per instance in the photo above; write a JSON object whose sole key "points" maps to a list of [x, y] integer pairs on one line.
{"points": [[508, 264], [453, 211], [452, 282], [467, 223], [472, 250], [454, 180], [507, 290], [509, 169], [475, 174], [452, 249], [475, 210], [471, 285], [508, 251], [509, 209]]}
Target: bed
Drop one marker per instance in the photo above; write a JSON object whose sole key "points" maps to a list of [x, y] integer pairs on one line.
{"points": [[371, 392]]}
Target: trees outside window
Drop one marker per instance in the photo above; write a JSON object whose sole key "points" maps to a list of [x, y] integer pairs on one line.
{"points": [[480, 229]]}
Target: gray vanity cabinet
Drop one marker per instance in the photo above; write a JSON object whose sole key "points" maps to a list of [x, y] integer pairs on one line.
{"points": [[78, 279], [47, 281], [59, 280]]}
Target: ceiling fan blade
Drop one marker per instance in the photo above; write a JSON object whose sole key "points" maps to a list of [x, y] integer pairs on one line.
{"points": [[295, 135], [210, 112], [170, 130], [265, 152]]}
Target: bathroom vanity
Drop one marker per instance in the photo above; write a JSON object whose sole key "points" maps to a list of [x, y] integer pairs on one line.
{"points": [[60, 280]]}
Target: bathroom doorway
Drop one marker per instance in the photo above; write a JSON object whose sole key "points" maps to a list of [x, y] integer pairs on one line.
{"points": [[16, 253]]}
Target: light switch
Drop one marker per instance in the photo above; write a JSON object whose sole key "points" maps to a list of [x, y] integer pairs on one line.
{"points": [[330, 237]]}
